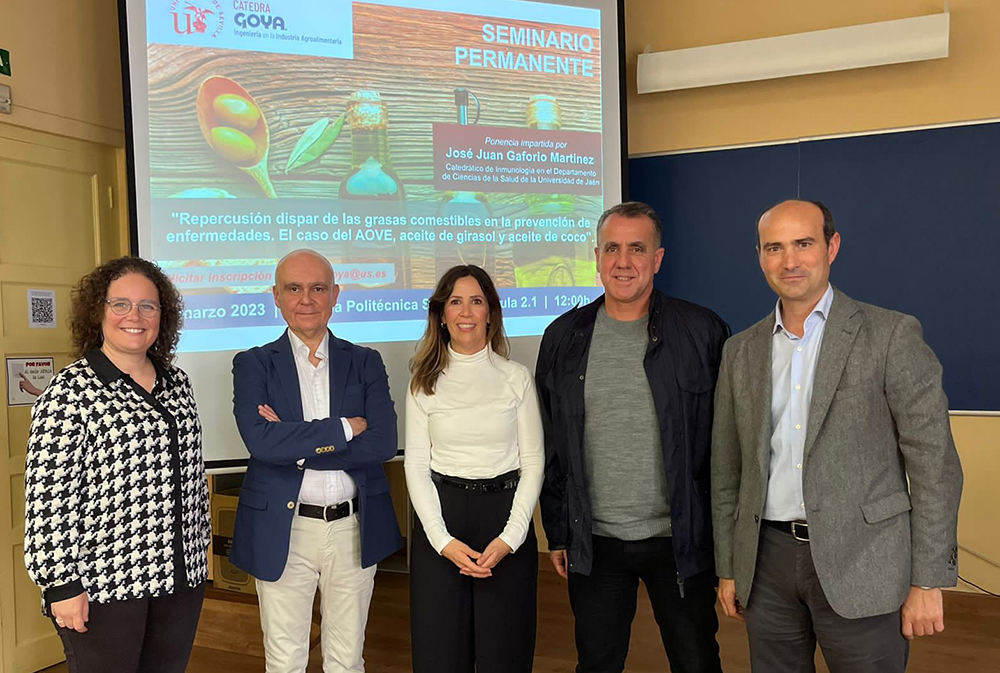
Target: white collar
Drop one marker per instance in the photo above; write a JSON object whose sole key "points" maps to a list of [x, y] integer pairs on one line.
{"points": [[300, 348], [480, 356]]}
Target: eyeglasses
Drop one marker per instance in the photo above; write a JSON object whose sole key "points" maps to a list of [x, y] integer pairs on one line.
{"points": [[147, 309]]}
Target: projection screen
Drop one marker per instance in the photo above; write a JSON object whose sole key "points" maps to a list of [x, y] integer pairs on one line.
{"points": [[398, 138]]}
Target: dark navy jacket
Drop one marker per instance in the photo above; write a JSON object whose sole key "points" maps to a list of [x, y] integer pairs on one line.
{"points": [[358, 387], [681, 363]]}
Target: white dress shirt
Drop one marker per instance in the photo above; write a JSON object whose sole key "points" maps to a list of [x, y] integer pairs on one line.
{"points": [[482, 421], [793, 370], [319, 487]]}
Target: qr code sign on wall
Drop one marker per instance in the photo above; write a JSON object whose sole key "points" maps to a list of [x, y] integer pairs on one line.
{"points": [[42, 309]]}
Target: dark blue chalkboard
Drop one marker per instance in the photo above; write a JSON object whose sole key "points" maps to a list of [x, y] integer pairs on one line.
{"points": [[919, 214]]}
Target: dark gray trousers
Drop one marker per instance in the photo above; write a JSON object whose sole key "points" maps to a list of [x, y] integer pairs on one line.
{"points": [[787, 614], [139, 635]]}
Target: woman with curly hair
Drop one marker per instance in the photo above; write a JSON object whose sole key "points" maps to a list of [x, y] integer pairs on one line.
{"points": [[474, 463], [117, 520]]}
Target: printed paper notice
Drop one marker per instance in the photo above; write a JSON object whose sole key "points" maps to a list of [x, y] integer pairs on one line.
{"points": [[27, 378]]}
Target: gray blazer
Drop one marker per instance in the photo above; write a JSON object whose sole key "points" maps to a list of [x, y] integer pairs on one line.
{"points": [[878, 416]]}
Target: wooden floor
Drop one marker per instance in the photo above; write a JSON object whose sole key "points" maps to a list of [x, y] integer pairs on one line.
{"points": [[969, 644]]}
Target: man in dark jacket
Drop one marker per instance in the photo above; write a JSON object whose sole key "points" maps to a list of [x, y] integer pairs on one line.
{"points": [[626, 386]]}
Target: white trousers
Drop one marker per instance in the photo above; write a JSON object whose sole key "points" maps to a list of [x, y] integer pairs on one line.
{"points": [[324, 555]]}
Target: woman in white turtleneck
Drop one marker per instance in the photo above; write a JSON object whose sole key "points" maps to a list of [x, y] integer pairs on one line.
{"points": [[474, 467]]}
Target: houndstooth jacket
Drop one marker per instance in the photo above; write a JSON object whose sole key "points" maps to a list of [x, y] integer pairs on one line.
{"points": [[116, 497]]}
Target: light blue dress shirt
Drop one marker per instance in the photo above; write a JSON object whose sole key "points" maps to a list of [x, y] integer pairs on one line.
{"points": [[793, 370]]}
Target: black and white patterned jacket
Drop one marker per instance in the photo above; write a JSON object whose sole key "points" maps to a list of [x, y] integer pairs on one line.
{"points": [[116, 497]]}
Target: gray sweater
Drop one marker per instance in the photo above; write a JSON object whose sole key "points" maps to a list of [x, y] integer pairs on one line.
{"points": [[621, 446]]}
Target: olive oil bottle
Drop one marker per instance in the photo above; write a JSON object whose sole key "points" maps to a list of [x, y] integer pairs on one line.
{"points": [[552, 263], [372, 176], [543, 112], [373, 190], [472, 205]]}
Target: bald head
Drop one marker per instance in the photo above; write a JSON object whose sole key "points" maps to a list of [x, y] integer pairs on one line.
{"points": [[800, 210], [795, 253], [305, 291], [302, 253]]}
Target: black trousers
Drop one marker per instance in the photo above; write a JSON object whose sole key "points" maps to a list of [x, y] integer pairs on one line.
{"points": [[462, 624], [144, 635], [604, 605], [788, 612]]}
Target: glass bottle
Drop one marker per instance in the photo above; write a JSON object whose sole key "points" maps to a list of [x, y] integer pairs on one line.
{"points": [[483, 254], [543, 112], [548, 264], [470, 205], [372, 188], [372, 176]]}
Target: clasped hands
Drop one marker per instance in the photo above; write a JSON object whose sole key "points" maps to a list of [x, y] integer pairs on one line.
{"points": [[473, 563]]}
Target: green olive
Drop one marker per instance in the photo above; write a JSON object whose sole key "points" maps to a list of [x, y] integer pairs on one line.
{"points": [[235, 110], [234, 145]]}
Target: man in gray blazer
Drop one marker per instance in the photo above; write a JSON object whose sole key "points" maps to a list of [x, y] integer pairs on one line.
{"points": [[835, 479]]}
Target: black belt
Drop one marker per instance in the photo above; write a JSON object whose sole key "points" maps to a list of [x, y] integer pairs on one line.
{"points": [[504, 482], [797, 529], [330, 512]]}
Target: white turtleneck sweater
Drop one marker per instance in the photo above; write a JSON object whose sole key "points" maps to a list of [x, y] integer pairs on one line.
{"points": [[482, 421]]}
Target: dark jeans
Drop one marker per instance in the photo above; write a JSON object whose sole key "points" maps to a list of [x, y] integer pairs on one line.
{"points": [[460, 624], [147, 635], [787, 613], [604, 605]]}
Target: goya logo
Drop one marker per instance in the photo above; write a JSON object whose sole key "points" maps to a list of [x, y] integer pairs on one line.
{"points": [[205, 18], [260, 21], [256, 15]]}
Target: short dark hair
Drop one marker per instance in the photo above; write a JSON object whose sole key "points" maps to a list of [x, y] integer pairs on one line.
{"points": [[829, 228], [88, 307], [632, 209]]}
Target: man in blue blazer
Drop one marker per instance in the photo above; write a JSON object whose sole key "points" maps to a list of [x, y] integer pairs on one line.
{"points": [[315, 414]]}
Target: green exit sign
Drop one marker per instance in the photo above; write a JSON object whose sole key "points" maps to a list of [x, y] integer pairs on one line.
{"points": [[4, 62]]}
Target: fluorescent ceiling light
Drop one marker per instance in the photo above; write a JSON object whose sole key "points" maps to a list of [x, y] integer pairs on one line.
{"points": [[916, 39]]}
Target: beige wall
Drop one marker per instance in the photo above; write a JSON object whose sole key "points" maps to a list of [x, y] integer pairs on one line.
{"points": [[978, 440], [65, 138], [962, 87], [66, 75], [66, 81]]}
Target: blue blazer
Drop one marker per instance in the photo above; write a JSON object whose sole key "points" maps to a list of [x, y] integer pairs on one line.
{"points": [[359, 386]]}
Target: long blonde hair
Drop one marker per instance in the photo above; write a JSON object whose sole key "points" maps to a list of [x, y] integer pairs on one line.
{"points": [[431, 357]]}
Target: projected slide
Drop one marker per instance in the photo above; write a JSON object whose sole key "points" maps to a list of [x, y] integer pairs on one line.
{"points": [[397, 138]]}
